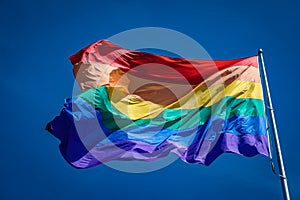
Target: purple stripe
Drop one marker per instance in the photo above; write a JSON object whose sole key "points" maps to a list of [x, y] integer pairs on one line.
{"points": [[202, 152]]}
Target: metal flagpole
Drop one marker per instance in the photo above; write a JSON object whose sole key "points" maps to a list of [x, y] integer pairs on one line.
{"points": [[282, 175]]}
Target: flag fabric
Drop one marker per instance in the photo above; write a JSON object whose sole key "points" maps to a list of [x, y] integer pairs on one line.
{"points": [[140, 106]]}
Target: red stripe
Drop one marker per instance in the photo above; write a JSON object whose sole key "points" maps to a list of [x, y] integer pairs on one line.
{"points": [[194, 71]]}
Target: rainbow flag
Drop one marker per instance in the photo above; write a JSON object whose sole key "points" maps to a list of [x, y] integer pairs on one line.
{"points": [[140, 106]]}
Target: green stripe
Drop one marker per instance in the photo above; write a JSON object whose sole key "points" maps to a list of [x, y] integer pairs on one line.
{"points": [[173, 118]]}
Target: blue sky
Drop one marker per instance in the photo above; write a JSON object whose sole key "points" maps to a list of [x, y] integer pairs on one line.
{"points": [[36, 39]]}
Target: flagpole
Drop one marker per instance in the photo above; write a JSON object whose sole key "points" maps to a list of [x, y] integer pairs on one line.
{"points": [[282, 175]]}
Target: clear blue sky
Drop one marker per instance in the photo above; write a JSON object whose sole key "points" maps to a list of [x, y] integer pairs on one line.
{"points": [[36, 39]]}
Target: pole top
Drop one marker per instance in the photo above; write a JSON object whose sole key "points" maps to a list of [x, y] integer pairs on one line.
{"points": [[260, 51]]}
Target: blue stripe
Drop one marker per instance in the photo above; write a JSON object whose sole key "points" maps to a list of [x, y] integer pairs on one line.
{"points": [[86, 117]]}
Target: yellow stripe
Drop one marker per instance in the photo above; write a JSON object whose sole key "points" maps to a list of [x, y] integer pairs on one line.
{"points": [[201, 96]]}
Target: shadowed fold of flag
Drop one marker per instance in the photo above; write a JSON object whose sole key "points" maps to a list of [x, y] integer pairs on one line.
{"points": [[140, 106]]}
